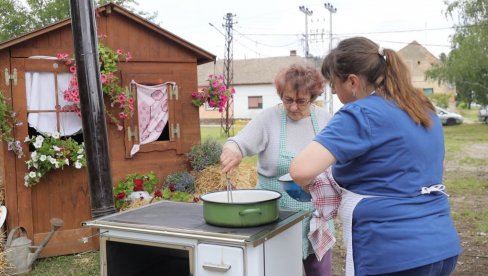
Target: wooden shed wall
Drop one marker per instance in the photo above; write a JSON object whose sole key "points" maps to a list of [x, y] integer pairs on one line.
{"points": [[155, 58]]}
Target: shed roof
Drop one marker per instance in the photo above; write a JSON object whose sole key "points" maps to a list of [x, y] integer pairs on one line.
{"points": [[201, 55], [252, 71]]}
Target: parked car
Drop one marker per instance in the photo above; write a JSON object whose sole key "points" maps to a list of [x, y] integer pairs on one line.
{"points": [[449, 118], [483, 114]]}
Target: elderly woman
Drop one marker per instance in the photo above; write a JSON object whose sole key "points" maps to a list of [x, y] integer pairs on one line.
{"points": [[278, 133]]}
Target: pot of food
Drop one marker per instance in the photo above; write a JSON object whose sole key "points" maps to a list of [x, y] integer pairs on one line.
{"points": [[248, 208]]}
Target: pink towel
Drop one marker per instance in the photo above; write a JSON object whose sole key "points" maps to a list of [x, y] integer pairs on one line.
{"points": [[326, 197]]}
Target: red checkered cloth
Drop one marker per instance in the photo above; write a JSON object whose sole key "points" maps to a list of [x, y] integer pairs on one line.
{"points": [[326, 197]]}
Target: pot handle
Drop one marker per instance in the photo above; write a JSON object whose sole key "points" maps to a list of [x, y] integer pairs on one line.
{"points": [[250, 211]]}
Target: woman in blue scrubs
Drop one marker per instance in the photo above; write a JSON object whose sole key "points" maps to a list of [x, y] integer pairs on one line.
{"points": [[386, 149]]}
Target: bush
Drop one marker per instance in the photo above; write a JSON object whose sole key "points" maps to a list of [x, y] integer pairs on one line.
{"points": [[440, 100], [205, 154], [181, 182]]}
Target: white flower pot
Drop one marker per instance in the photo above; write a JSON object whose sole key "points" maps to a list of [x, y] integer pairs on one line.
{"points": [[138, 195]]}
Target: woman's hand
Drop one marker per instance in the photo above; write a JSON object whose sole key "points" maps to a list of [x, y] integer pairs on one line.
{"points": [[231, 157]]}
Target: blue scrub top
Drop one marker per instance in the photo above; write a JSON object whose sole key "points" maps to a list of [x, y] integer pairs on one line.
{"points": [[381, 151]]}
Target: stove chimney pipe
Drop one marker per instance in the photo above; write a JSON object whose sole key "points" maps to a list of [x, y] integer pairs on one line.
{"points": [[84, 30]]}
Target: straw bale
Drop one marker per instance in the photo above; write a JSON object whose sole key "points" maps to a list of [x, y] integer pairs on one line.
{"points": [[5, 265], [211, 179]]}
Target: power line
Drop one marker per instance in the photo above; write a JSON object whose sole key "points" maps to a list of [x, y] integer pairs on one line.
{"points": [[376, 32], [264, 44]]}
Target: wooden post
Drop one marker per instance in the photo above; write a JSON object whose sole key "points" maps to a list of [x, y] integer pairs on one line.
{"points": [[84, 29]]}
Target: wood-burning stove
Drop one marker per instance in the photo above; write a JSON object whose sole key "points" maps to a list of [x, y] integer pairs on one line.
{"points": [[172, 238]]}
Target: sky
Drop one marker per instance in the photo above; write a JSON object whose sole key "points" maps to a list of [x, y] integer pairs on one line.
{"points": [[269, 28]]}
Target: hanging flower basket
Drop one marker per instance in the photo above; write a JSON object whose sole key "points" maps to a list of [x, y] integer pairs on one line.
{"points": [[216, 94]]}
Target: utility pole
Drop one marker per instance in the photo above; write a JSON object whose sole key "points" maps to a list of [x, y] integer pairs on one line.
{"points": [[307, 12], [331, 9], [227, 119]]}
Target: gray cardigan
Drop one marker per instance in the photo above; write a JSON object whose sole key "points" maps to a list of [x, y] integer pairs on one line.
{"points": [[262, 136]]}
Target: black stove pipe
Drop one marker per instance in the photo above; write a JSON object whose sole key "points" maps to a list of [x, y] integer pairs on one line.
{"points": [[84, 29]]}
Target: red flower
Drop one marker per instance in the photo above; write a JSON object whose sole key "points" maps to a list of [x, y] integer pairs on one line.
{"points": [[120, 196], [158, 194], [138, 188], [196, 199], [172, 188], [138, 181]]}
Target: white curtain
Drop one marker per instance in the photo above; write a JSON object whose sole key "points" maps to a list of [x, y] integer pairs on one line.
{"points": [[40, 92]]}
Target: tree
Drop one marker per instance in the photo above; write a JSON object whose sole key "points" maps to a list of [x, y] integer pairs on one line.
{"points": [[20, 17], [14, 18], [467, 64]]}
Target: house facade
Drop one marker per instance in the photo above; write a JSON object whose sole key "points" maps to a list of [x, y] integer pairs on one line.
{"points": [[418, 60]]}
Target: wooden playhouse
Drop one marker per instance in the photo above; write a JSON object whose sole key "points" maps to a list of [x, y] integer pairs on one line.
{"points": [[158, 57]]}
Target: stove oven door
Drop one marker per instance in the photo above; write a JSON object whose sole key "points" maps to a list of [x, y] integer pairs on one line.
{"points": [[213, 260], [133, 257]]}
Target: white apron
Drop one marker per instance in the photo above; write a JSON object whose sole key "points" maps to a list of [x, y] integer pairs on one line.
{"points": [[348, 203]]}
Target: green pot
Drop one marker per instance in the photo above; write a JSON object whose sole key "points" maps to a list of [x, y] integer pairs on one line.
{"points": [[249, 208]]}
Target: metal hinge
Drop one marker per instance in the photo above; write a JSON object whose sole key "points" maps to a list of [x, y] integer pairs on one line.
{"points": [[175, 131], [131, 134], [173, 92], [9, 77]]}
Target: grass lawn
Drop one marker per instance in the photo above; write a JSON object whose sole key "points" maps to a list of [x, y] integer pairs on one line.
{"points": [[466, 179]]}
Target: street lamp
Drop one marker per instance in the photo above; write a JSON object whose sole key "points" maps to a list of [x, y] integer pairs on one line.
{"points": [[331, 9], [307, 12]]}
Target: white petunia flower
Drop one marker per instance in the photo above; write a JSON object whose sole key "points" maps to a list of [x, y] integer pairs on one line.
{"points": [[27, 139], [77, 165], [80, 151], [66, 161], [32, 174], [56, 148], [39, 139], [56, 135], [37, 144], [79, 156], [52, 160], [43, 157]]}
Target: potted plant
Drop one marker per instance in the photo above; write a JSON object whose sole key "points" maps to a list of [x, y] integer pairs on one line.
{"points": [[134, 186], [216, 94], [8, 121], [52, 152]]}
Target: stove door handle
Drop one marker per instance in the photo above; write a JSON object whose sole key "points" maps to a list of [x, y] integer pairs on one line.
{"points": [[216, 267]]}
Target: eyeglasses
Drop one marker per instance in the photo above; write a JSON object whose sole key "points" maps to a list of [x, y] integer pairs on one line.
{"points": [[299, 102]]}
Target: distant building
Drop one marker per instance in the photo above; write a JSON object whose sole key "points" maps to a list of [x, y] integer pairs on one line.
{"points": [[419, 60], [254, 84]]}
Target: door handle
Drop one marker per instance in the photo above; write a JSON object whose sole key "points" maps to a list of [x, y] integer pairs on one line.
{"points": [[216, 267]]}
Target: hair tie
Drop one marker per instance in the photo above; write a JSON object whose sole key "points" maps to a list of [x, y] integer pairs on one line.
{"points": [[381, 52]]}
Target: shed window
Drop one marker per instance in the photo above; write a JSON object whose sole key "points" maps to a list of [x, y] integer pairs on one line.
{"points": [[45, 102], [152, 126], [255, 102], [428, 91]]}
